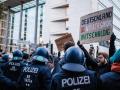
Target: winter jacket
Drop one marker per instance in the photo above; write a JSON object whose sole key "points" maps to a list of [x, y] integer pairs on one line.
{"points": [[111, 80]]}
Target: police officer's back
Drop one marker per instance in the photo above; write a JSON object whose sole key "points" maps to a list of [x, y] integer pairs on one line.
{"points": [[6, 83], [12, 69], [74, 76], [36, 76]]}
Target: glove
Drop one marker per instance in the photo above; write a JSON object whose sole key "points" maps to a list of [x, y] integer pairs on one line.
{"points": [[113, 37], [80, 45]]}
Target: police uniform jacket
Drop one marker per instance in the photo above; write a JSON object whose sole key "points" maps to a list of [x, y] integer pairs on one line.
{"points": [[12, 69], [37, 76], [6, 83], [66, 80]]}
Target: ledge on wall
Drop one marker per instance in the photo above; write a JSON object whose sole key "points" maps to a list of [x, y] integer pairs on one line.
{"points": [[61, 6], [61, 20]]}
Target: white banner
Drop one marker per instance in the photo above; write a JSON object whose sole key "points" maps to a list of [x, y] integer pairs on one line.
{"points": [[97, 26]]}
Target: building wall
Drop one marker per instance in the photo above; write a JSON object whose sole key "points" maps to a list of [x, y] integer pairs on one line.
{"points": [[3, 30], [77, 9], [3, 27], [52, 20]]}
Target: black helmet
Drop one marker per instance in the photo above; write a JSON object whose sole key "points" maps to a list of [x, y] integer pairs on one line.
{"points": [[74, 59], [5, 58], [17, 53], [25, 55], [41, 54]]}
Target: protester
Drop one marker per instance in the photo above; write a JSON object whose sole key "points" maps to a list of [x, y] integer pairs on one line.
{"points": [[92, 51], [90, 62], [112, 48], [103, 65]]}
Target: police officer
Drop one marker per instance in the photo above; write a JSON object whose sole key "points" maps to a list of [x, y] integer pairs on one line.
{"points": [[74, 76], [37, 76], [58, 62], [26, 58], [6, 83], [12, 69], [4, 59]]}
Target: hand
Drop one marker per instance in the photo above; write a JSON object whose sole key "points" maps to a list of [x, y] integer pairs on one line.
{"points": [[97, 47], [78, 43], [113, 37]]}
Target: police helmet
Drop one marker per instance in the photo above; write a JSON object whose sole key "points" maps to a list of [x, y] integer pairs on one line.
{"points": [[74, 59], [41, 54], [17, 53], [25, 55], [5, 58]]}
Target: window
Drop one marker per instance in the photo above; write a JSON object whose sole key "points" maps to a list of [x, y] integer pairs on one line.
{"points": [[3, 24], [1, 40], [2, 32]]}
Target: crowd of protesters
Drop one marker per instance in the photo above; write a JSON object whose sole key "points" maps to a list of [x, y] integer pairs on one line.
{"points": [[77, 69]]}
